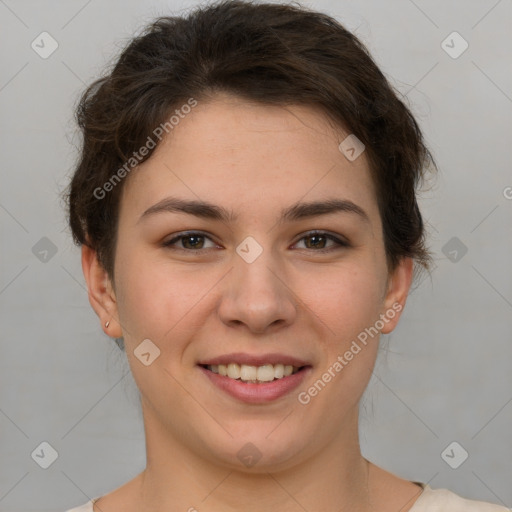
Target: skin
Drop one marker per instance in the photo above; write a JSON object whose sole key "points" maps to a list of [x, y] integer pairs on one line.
{"points": [[292, 299]]}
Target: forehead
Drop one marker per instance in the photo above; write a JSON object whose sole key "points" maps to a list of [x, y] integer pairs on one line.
{"points": [[252, 156]]}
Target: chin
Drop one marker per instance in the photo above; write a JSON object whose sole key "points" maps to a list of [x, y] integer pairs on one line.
{"points": [[258, 448]]}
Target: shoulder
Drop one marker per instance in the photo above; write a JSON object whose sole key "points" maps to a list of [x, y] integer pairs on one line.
{"points": [[88, 507], [443, 500]]}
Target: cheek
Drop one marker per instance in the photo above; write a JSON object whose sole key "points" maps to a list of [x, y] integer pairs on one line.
{"points": [[347, 308], [144, 297], [347, 301], [158, 300]]}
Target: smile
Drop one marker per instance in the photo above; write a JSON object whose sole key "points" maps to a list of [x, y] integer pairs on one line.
{"points": [[253, 374], [277, 380]]}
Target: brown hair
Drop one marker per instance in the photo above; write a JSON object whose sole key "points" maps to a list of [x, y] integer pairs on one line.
{"points": [[269, 53]]}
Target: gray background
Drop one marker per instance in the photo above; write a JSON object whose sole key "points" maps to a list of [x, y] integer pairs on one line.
{"points": [[446, 374]]}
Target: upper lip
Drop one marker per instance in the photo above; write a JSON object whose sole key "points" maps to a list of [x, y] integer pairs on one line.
{"points": [[255, 360]]}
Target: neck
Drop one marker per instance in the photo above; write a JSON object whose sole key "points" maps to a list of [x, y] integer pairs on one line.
{"points": [[180, 478]]}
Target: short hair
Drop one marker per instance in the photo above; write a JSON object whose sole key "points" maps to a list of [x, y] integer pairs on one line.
{"points": [[273, 54]]}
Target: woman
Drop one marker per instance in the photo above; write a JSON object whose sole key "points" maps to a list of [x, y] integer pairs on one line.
{"points": [[246, 204]]}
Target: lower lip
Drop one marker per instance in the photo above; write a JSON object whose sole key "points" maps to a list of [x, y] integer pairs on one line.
{"points": [[257, 393]]}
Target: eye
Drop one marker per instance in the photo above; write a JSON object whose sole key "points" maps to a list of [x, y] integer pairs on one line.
{"points": [[191, 241], [318, 239], [194, 241]]}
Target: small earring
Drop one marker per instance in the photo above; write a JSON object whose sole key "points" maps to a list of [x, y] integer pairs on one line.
{"points": [[107, 324]]}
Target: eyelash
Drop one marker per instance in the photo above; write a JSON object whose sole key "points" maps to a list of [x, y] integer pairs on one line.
{"points": [[340, 243]]}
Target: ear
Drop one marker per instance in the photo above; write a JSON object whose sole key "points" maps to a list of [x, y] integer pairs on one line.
{"points": [[399, 283], [101, 292]]}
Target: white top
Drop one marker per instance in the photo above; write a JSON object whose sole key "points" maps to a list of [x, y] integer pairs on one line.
{"points": [[430, 500]]}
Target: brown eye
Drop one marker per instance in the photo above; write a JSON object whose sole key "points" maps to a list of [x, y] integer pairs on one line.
{"points": [[317, 240], [191, 241]]}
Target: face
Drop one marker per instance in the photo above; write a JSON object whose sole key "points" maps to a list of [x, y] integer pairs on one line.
{"points": [[258, 278]]}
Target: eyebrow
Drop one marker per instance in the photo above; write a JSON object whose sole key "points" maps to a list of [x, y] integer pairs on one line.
{"points": [[294, 212]]}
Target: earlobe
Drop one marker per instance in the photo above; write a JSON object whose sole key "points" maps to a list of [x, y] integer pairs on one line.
{"points": [[399, 284], [101, 293]]}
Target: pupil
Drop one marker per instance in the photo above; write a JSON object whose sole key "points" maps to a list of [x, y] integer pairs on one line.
{"points": [[316, 237], [192, 237]]}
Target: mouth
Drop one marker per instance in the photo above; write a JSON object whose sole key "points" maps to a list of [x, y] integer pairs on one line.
{"points": [[249, 374], [255, 378], [253, 384]]}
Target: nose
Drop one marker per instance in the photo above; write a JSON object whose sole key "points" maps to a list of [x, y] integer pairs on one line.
{"points": [[257, 297]]}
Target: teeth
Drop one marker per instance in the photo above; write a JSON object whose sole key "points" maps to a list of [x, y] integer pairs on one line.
{"points": [[234, 371], [250, 372], [253, 374]]}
